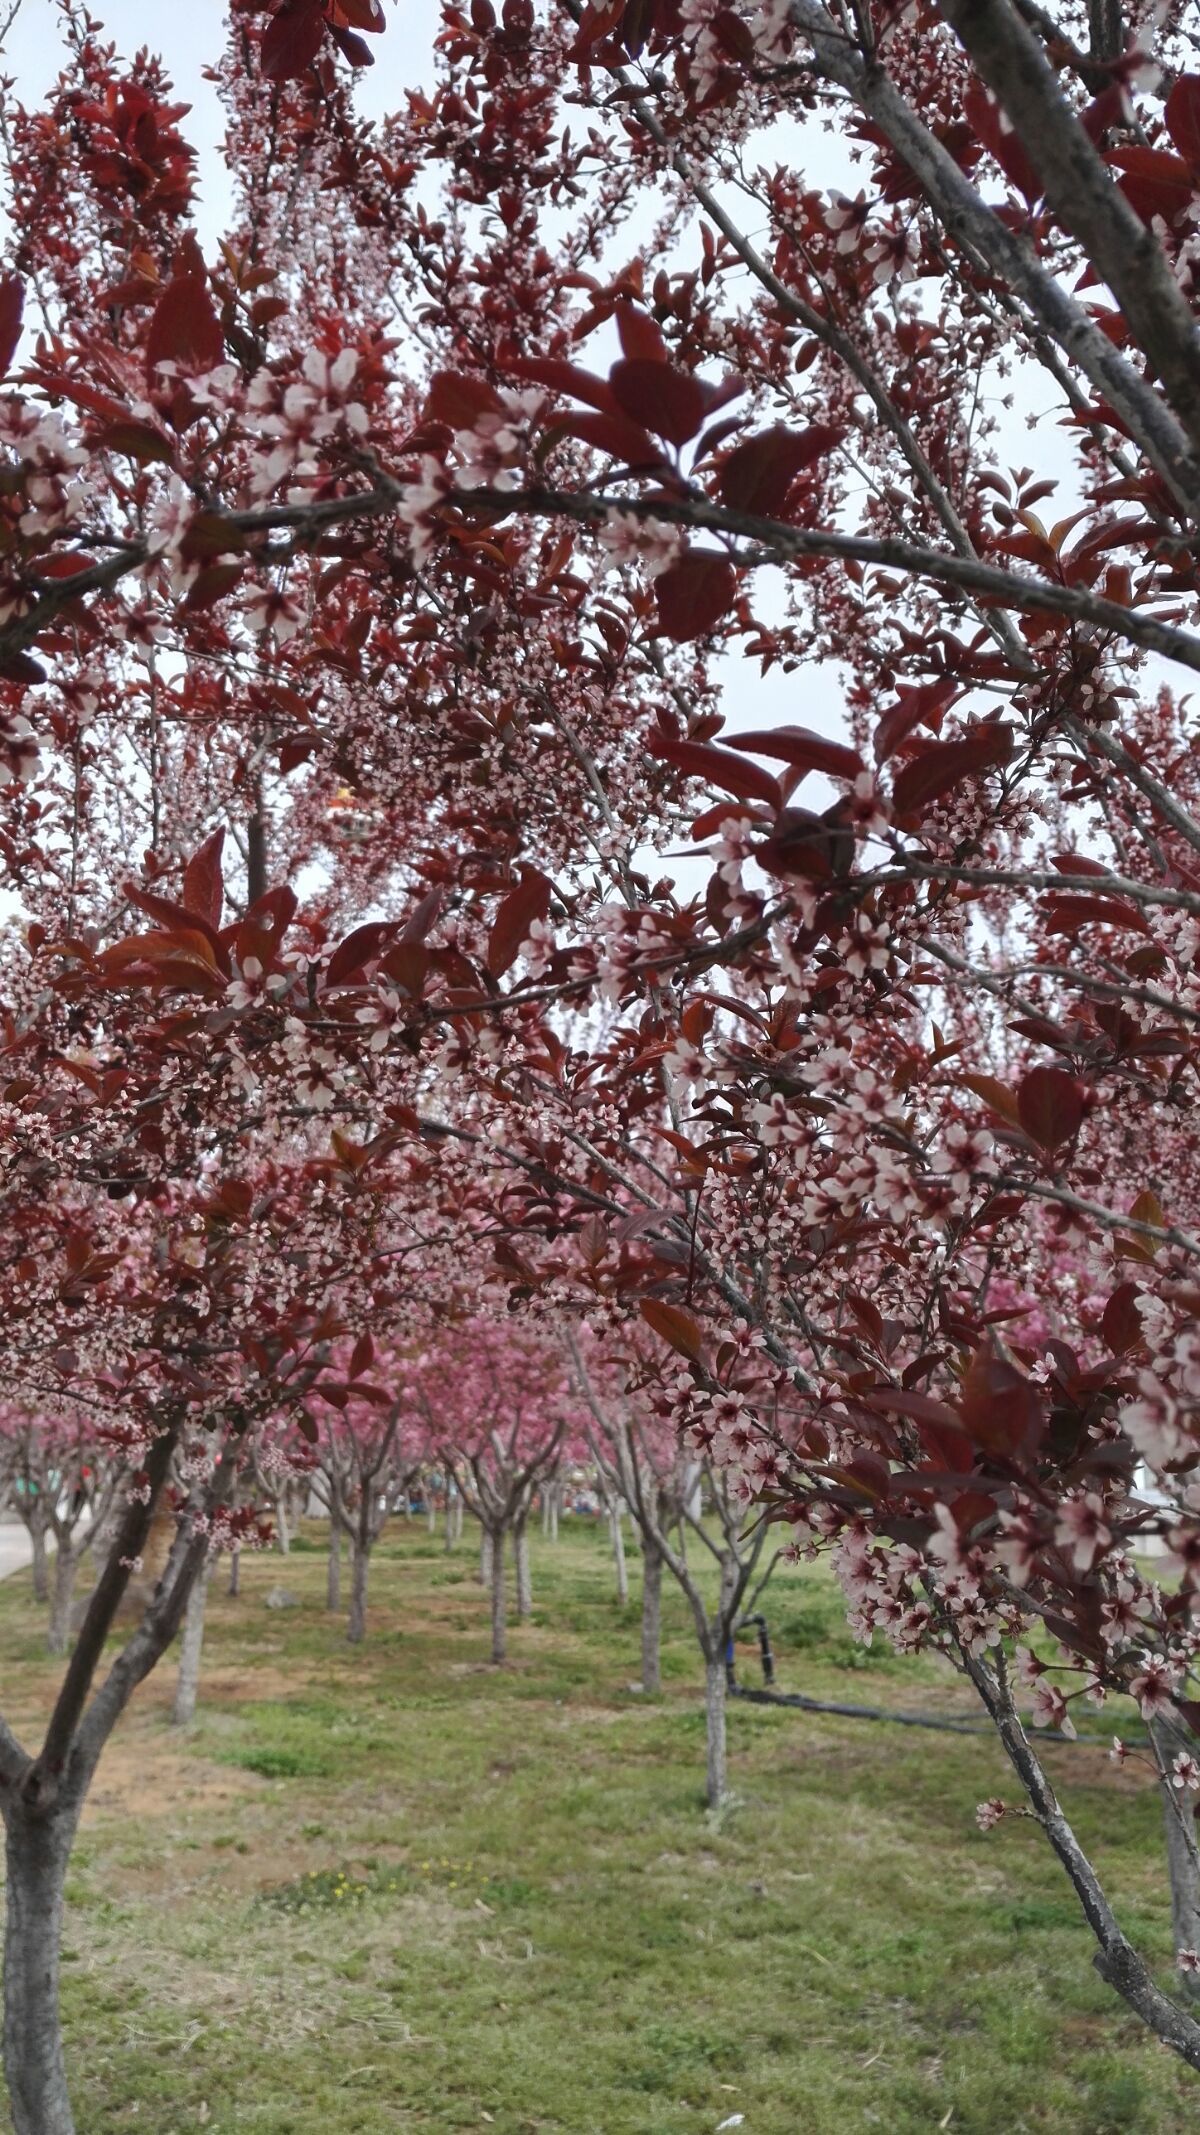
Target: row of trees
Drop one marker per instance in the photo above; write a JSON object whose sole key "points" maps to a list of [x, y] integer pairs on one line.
{"points": [[363, 658]]}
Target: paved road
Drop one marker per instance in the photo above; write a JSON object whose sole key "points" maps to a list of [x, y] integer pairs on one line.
{"points": [[14, 1547]]}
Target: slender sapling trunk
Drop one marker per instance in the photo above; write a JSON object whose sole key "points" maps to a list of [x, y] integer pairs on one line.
{"points": [[652, 1580], [333, 1567], [187, 1684], [618, 1545], [360, 1558], [1183, 1854], [499, 1601], [717, 1767]]}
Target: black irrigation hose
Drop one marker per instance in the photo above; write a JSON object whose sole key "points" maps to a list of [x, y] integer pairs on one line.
{"points": [[902, 1719]]}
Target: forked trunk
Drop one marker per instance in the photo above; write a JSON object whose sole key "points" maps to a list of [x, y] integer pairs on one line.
{"points": [[356, 1623], [37, 1850], [652, 1579], [333, 1568], [524, 1575], [499, 1601], [714, 1713], [66, 1564], [1183, 1860], [187, 1685], [618, 1544]]}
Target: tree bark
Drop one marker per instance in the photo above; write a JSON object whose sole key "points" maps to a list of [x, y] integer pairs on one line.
{"points": [[333, 1568], [499, 1604], [41, 1575], [1183, 1863], [282, 1536], [714, 1712], [187, 1686], [618, 1544], [360, 1558], [652, 1578], [66, 1564], [485, 1558], [235, 1573], [37, 1850], [555, 1496], [431, 1511], [524, 1576]]}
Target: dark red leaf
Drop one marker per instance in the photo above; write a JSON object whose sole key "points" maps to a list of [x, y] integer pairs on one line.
{"points": [[640, 335], [675, 1326], [514, 917], [264, 926], [562, 377], [358, 15], [1065, 913], [922, 706], [699, 759], [668, 401], [616, 435], [1182, 114], [1153, 181], [12, 305], [1000, 1408], [459, 401], [1121, 1325], [292, 39], [803, 749], [1002, 144], [938, 770], [363, 946], [758, 473], [1050, 1104], [695, 593], [185, 329], [203, 882]]}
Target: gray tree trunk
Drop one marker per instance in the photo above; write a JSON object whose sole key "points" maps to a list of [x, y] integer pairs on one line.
{"points": [[282, 1536], [37, 1850], [66, 1564], [187, 1683], [41, 1575], [432, 1513], [652, 1582], [499, 1601], [356, 1623], [618, 1542], [554, 1505], [333, 1568], [235, 1573], [485, 1558], [717, 1774], [1183, 1864], [524, 1575]]}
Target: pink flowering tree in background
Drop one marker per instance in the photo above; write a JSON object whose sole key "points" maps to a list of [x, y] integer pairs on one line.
{"points": [[500, 1411], [669, 1487], [368, 1448], [60, 1478]]}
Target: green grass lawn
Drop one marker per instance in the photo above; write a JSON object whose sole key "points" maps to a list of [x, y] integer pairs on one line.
{"points": [[392, 1887]]}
